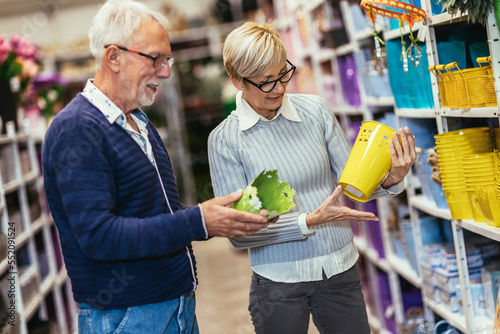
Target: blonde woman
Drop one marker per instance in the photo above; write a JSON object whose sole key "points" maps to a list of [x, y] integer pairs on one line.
{"points": [[305, 263]]}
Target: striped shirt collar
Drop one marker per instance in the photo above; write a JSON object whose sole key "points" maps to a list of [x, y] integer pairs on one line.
{"points": [[249, 117]]}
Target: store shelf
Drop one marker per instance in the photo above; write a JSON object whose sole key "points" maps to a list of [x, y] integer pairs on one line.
{"points": [[312, 5], [480, 228], [347, 110], [4, 140], [423, 204], [4, 265], [30, 295], [371, 254], [333, 62], [445, 18], [31, 176], [482, 324], [379, 101], [11, 186], [38, 224], [363, 34], [47, 284], [61, 276], [454, 319], [284, 23], [474, 112], [32, 307], [415, 113], [403, 268], [325, 55], [27, 274], [22, 238], [376, 325], [396, 33], [305, 53], [344, 50]]}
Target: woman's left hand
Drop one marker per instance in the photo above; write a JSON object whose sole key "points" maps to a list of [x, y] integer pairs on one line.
{"points": [[403, 156]]}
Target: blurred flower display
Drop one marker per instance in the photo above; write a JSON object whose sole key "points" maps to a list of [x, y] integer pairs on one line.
{"points": [[18, 58], [19, 63], [48, 86]]}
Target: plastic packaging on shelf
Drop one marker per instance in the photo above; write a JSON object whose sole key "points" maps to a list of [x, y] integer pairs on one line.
{"points": [[449, 258], [447, 279], [430, 189], [428, 272], [431, 254], [374, 74], [373, 229], [491, 283], [431, 291], [448, 298], [452, 51], [360, 20], [478, 301], [330, 90], [348, 78], [408, 243], [384, 303], [411, 89]]}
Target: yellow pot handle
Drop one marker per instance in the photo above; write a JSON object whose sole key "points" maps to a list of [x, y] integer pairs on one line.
{"points": [[481, 60]]}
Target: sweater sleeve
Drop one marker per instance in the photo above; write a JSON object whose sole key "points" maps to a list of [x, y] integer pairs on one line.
{"points": [[339, 151], [228, 175], [80, 180]]}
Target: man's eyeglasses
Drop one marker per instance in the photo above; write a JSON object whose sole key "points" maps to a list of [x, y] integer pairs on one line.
{"points": [[266, 87], [159, 62]]}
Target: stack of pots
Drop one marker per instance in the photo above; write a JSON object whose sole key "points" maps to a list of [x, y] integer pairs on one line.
{"points": [[452, 147], [479, 173]]}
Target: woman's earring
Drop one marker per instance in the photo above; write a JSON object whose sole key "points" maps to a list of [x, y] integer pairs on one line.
{"points": [[242, 88]]}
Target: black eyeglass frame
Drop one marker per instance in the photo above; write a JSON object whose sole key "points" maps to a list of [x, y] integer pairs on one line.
{"points": [[155, 59], [274, 82]]}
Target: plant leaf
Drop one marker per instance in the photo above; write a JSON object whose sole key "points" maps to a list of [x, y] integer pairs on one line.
{"points": [[267, 192]]}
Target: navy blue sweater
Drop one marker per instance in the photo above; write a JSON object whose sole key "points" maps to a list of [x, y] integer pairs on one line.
{"points": [[121, 245]]}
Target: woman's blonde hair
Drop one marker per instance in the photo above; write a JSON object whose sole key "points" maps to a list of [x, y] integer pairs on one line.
{"points": [[252, 50]]}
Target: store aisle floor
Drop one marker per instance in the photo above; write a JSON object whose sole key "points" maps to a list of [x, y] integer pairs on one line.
{"points": [[222, 295]]}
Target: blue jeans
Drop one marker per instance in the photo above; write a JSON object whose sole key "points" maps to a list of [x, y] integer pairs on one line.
{"points": [[175, 316]]}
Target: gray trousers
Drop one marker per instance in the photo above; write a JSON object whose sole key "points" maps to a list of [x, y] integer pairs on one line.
{"points": [[336, 304]]}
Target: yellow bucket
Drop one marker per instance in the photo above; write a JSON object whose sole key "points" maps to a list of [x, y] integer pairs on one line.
{"points": [[369, 161]]}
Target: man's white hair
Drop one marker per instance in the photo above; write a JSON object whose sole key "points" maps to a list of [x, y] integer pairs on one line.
{"points": [[116, 22]]}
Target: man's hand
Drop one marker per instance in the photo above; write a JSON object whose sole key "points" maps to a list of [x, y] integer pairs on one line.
{"points": [[403, 156], [331, 210], [223, 221]]}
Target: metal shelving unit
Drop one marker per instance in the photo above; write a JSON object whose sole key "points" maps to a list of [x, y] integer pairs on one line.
{"points": [[29, 239], [395, 267]]}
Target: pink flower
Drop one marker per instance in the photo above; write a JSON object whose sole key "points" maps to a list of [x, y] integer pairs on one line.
{"points": [[30, 68], [18, 56], [5, 48]]}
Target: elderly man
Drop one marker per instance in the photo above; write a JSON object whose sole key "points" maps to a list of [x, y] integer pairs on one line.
{"points": [[125, 236]]}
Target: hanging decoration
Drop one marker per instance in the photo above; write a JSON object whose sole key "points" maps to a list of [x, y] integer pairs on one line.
{"points": [[404, 13]]}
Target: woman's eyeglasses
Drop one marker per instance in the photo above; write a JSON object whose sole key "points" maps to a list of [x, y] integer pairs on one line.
{"points": [[266, 87]]}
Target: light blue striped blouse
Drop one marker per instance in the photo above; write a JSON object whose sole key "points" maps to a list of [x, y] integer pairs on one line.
{"points": [[306, 144]]}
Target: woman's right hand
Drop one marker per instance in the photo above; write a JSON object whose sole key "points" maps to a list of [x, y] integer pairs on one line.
{"points": [[331, 210]]}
